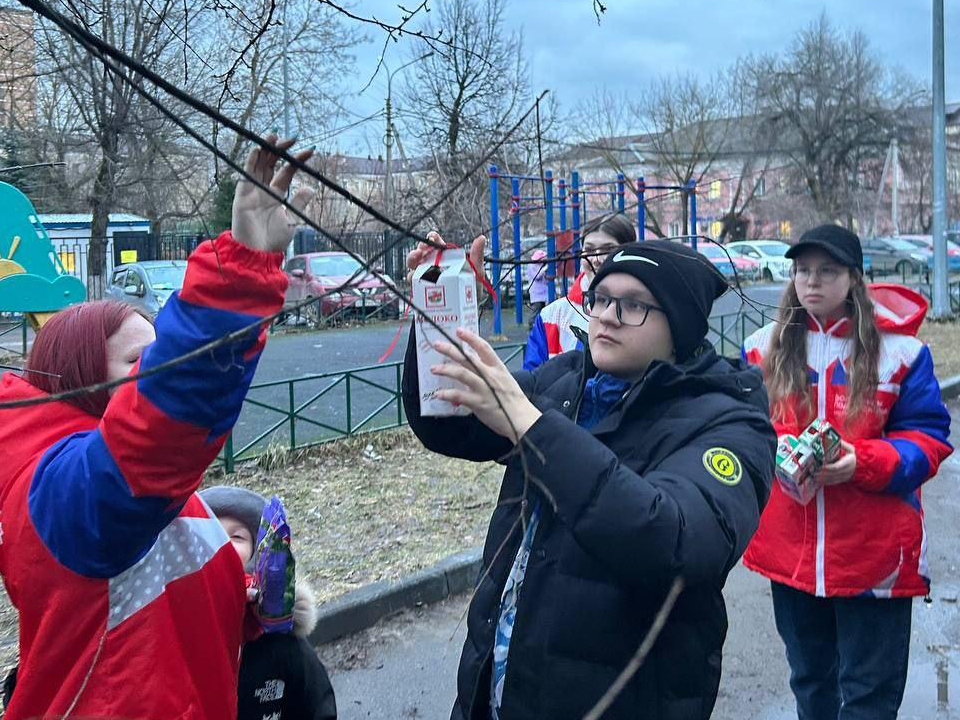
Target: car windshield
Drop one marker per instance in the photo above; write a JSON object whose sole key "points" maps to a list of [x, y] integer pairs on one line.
{"points": [[927, 243], [774, 249], [901, 244], [166, 277], [334, 265], [712, 252]]}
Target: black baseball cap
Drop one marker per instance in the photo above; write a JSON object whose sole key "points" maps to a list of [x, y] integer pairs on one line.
{"points": [[838, 242]]}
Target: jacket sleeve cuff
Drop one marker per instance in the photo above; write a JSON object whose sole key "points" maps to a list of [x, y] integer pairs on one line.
{"points": [[227, 275], [877, 461]]}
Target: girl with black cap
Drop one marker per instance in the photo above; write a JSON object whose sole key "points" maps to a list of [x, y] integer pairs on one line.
{"points": [[846, 566], [641, 459]]}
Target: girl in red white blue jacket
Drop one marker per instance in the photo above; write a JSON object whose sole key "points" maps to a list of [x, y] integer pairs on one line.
{"points": [[845, 567], [555, 329], [131, 599]]}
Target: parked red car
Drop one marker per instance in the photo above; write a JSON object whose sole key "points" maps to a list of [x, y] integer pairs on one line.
{"points": [[342, 283]]}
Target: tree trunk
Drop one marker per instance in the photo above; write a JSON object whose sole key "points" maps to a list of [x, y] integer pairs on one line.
{"points": [[100, 203]]}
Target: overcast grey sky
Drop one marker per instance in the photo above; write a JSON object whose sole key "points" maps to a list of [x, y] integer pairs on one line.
{"points": [[637, 40]]}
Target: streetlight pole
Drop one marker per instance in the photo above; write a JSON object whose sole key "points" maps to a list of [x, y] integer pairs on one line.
{"points": [[286, 96], [388, 140], [941, 306]]}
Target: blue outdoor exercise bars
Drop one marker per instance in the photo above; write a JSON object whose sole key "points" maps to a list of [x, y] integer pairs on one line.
{"points": [[570, 195]]}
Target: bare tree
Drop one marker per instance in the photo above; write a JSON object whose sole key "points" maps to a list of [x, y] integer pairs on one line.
{"points": [[752, 150], [99, 97], [317, 43], [836, 107], [462, 98], [687, 120], [684, 129]]}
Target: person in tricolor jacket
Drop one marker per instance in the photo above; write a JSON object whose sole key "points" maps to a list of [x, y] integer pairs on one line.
{"points": [[131, 599], [845, 567], [562, 324]]}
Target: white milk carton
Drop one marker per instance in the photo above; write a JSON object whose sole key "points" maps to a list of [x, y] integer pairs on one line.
{"points": [[449, 299]]}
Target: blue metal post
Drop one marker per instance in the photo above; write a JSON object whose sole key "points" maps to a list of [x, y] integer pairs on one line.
{"points": [[693, 214], [495, 247], [575, 205], [621, 197], [551, 238], [562, 196], [641, 209], [517, 249]]}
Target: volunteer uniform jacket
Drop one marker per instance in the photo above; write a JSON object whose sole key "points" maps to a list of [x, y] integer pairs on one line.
{"points": [[553, 331], [130, 596], [669, 484], [865, 537]]}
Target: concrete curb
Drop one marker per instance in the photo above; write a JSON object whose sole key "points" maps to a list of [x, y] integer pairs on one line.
{"points": [[364, 607]]}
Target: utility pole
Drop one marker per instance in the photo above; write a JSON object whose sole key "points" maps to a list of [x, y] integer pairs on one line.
{"points": [[941, 305], [388, 141], [894, 203], [286, 96], [286, 75], [388, 138]]}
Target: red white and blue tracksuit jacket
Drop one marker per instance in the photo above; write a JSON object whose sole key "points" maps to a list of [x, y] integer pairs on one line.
{"points": [[130, 597], [552, 332], [865, 537]]}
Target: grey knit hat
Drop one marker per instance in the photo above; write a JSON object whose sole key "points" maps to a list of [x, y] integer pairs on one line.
{"points": [[244, 505]]}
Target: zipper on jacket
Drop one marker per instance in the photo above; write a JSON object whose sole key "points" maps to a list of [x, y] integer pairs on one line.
{"points": [[578, 401], [821, 367]]}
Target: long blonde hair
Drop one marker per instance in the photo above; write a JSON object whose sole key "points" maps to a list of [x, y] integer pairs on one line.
{"points": [[785, 366]]}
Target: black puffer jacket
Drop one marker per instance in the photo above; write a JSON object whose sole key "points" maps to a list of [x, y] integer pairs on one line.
{"points": [[636, 507]]}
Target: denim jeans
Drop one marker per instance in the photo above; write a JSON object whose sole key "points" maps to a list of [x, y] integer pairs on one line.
{"points": [[848, 656]]}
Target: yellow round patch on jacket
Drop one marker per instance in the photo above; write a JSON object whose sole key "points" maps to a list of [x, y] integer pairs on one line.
{"points": [[723, 465]]}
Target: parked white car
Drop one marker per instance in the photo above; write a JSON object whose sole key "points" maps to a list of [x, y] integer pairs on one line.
{"points": [[774, 267]]}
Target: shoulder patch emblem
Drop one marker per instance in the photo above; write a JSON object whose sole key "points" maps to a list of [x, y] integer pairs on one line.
{"points": [[723, 465]]}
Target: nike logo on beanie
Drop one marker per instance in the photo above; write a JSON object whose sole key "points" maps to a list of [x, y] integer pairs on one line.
{"points": [[621, 257]]}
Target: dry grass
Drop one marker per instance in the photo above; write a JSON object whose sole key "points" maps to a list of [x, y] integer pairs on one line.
{"points": [[373, 507], [944, 341]]}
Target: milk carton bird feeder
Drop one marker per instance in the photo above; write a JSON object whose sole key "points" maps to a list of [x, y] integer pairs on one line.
{"points": [[445, 289]]}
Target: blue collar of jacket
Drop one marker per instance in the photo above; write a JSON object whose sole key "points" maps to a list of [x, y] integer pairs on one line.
{"points": [[600, 394]]}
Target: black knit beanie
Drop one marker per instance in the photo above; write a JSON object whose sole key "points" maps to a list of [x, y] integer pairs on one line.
{"points": [[684, 283]]}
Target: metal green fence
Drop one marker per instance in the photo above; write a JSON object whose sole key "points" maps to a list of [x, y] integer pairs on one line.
{"points": [[300, 412], [727, 332]]}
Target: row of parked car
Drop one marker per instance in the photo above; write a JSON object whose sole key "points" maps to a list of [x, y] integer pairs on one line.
{"points": [[344, 289], [906, 256], [339, 283]]}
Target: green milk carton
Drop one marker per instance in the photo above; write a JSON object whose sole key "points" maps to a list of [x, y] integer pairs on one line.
{"points": [[796, 465]]}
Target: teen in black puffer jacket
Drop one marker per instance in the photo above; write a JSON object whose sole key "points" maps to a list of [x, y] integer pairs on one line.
{"points": [[650, 458]]}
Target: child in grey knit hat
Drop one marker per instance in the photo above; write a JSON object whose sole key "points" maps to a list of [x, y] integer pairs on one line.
{"points": [[280, 674]]}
